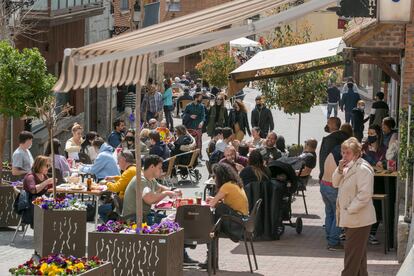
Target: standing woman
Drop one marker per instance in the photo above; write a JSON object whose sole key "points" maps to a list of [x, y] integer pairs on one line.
{"points": [[217, 116], [167, 98], [73, 145], [355, 179], [238, 120]]}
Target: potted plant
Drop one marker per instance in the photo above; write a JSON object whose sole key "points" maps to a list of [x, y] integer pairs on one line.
{"points": [[59, 226], [146, 250], [60, 265]]}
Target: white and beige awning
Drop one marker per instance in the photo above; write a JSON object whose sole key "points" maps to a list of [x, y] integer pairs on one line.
{"points": [[125, 59]]}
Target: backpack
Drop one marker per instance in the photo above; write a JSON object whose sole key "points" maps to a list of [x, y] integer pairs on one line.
{"points": [[21, 202]]}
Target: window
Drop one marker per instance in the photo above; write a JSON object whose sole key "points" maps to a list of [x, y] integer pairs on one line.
{"points": [[124, 5], [173, 6]]}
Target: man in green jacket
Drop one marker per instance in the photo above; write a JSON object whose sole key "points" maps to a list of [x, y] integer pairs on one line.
{"points": [[194, 117]]}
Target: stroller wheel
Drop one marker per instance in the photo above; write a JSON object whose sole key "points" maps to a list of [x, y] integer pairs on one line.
{"points": [[184, 176], [299, 225]]}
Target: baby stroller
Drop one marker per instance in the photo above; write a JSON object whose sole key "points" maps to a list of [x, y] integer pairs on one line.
{"points": [[284, 175], [185, 165]]}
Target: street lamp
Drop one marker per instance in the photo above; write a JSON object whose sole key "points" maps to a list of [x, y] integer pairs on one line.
{"points": [[13, 6]]}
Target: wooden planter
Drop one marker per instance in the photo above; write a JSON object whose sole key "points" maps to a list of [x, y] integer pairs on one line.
{"points": [[7, 216], [132, 254], [103, 270], [59, 232]]}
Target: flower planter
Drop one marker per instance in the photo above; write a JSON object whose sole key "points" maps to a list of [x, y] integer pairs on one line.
{"points": [[102, 270], [134, 254], [7, 216], [59, 231]]}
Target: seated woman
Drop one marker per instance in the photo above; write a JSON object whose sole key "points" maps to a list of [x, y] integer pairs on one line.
{"points": [[229, 189], [256, 141], [281, 146], [373, 149], [129, 141], [183, 143], [255, 171], [61, 163], [389, 134], [36, 183], [87, 148], [164, 132]]}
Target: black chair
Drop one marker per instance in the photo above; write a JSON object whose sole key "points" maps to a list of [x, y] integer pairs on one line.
{"points": [[198, 224], [84, 158], [248, 225]]}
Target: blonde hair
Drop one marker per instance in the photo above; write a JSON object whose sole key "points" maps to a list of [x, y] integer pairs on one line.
{"points": [[145, 132], [360, 102], [76, 127], [352, 144], [40, 161]]}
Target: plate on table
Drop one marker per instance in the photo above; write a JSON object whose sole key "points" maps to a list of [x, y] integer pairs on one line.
{"points": [[64, 186], [77, 187]]}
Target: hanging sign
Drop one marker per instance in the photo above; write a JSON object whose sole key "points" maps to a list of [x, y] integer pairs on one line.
{"points": [[394, 11]]}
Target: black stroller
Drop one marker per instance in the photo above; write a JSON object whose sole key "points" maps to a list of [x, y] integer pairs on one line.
{"points": [[284, 175]]}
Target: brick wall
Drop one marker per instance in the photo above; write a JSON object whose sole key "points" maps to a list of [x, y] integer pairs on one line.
{"points": [[408, 70], [391, 36], [122, 17]]}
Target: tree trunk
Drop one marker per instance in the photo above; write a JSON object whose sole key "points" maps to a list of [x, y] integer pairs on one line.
{"points": [[299, 127], [52, 152], [138, 154], [3, 136]]}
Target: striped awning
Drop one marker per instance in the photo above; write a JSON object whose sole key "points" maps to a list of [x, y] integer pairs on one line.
{"points": [[125, 59]]}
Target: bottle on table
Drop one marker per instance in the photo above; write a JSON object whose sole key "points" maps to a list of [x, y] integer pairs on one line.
{"points": [[89, 183]]}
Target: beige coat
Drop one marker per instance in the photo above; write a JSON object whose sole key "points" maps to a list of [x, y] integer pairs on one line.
{"points": [[354, 207]]}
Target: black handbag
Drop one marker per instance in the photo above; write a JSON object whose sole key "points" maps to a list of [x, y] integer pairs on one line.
{"points": [[229, 228]]}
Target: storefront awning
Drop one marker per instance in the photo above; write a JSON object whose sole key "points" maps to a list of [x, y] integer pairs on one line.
{"points": [[125, 59], [302, 53]]}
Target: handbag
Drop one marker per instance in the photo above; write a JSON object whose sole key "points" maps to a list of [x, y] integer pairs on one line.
{"points": [[231, 229]]}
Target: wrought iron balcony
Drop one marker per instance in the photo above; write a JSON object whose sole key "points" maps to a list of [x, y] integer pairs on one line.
{"points": [[56, 12]]}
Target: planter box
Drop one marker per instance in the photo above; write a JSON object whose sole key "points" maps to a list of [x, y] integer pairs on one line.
{"points": [[59, 232], [132, 254], [7, 216], [103, 270]]}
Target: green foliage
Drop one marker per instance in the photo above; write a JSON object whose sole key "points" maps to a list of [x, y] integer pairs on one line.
{"points": [[299, 92], [216, 65], [24, 81], [406, 154]]}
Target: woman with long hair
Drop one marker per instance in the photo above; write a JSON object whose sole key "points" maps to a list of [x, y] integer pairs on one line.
{"points": [[354, 179], [373, 149], [87, 147], [217, 115], [230, 189], [73, 145], [256, 170], [238, 120], [167, 98], [60, 161], [184, 143]]}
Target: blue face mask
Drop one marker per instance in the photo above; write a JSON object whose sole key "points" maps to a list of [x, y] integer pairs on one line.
{"points": [[372, 139]]}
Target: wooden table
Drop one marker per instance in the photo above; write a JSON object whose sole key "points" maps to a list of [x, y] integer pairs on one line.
{"points": [[95, 193], [385, 182]]}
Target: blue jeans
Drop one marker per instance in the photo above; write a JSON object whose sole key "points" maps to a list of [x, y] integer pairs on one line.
{"points": [[329, 195], [334, 107], [348, 116]]}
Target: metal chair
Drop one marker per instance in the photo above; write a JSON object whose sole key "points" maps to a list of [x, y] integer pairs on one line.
{"points": [[20, 224], [302, 182], [197, 222], [166, 177], [248, 227], [191, 166]]}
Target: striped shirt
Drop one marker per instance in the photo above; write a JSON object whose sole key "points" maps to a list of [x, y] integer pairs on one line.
{"points": [[152, 103], [130, 100]]}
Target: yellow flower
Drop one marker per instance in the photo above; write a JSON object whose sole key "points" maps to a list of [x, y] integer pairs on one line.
{"points": [[144, 225], [43, 268], [79, 266], [71, 267], [134, 226]]}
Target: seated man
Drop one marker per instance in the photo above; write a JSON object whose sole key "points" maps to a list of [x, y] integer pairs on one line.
{"points": [[118, 183], [227, 139], [157, 146], [309, 157], [105, 164], [232, 158], [152, 192], [22, 160], [152, 124], [269, 150]]}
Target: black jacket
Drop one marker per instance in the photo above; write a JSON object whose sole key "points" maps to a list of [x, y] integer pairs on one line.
{"points": [[328, 143], [241, 118], [334, 95], [262, 118], [269, 215]]}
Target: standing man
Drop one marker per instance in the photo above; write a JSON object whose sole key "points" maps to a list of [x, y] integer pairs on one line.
{"points": [[334, 96], [152, 105], [117, 135], [194, 117], [129, 103], [262, 117], [354, 86], [379, 110], [349, 101], [22, 158]]}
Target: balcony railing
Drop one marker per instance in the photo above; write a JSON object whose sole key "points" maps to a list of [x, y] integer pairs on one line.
{"points": [[51, 8]]}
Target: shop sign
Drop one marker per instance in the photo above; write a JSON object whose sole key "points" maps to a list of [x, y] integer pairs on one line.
{"points": [[394, 11]]}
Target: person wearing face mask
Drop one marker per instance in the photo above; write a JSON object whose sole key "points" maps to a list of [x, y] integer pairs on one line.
{"points": [[355, 212], [373, 149], [358, 120], [129, 140], [262, 117], [217, 116], [238, 120]]}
